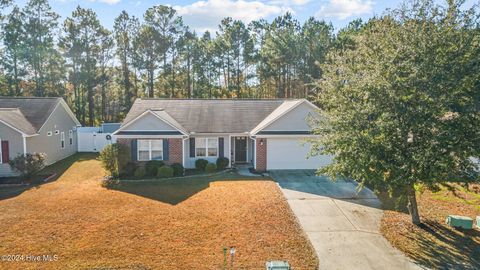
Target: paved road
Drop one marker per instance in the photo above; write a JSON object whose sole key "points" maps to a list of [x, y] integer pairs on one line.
{"points": [[342, 224]]}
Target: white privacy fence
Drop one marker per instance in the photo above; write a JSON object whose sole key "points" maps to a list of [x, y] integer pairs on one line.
{"points": [[93, 139]]}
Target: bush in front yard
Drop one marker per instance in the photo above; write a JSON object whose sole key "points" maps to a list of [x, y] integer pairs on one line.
{"points": [[200, 164], [210, 168], [109, 182], [177, 169], [113, 157], [29, 164], [165, 172], [129, 169], [139, 172], [152, 166], [222, 163]]}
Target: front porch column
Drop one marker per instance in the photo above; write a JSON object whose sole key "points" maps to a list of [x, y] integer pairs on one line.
{"points": [[261, 158]]}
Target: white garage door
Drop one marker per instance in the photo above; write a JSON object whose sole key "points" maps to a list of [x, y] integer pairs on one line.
{"points": [[289, 154]]}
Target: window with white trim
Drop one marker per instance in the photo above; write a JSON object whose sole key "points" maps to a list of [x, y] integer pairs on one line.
{"points": [[149, 150], [206, 147], [70, 136], [62, 139], [1, 153]]}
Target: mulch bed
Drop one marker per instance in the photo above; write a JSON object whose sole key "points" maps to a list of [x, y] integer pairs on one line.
{"points": [[434, 244]]}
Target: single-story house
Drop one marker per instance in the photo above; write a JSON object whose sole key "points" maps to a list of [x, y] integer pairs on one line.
{"points": [[36, 125], [269, 134]]}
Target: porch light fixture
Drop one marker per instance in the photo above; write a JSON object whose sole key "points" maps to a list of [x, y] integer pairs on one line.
{"points": [[261, 141]]}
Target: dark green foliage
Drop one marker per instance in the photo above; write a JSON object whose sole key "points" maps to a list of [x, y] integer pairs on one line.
{"points": [[152, 166], [177, 169], [210, 168], [29, 164], [129, 169], [400, 102], [200, 164], [222, 163], [139, 172], [113, 157], [165, 172]]}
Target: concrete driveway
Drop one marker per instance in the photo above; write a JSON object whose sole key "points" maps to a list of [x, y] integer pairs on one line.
{"points": [[341, 222]]}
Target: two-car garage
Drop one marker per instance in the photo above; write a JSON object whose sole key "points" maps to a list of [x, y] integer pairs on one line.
{"points": [[291, 153]]}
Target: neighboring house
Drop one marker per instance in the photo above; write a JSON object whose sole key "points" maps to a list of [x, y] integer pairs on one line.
{"points": [[36, 125], [269, 134]]}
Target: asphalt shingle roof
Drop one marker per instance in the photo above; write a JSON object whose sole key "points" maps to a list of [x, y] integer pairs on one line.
{"points": [[210, 115], [34, 111]]}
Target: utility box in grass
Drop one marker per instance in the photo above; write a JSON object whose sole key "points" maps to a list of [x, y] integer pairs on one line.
{"points": [[460, 222], [278, 265]]}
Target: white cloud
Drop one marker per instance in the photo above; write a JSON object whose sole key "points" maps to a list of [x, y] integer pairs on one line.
{"points": [[206, 15], [110, 2], [290, 2], [342, 9]]}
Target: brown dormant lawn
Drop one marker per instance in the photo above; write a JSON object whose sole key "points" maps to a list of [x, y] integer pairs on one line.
{"points": [[434, 244], [181, 224]]}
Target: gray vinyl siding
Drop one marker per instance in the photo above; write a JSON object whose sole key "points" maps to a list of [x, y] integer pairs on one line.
{"points": [[190, 161], [51, 145], [294, 120], [15, 147], [149, 122]]}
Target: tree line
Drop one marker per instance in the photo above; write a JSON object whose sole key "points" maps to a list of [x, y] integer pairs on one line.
{"points": [[101, 71]]}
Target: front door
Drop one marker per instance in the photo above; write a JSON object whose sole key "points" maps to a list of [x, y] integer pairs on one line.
{"points": [[240, 149]]}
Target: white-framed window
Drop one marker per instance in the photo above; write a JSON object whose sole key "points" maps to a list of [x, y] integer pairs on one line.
{"points": [[70, 136], [149, 150], [49, 133], [1, 153], [62, 139], [57, 132], [206, 147]]}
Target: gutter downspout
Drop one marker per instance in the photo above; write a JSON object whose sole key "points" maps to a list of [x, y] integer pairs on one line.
{"points": [[24, 145], [183, 150], [254, 152], [230, 151]]}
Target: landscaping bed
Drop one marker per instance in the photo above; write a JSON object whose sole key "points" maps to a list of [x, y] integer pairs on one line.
{"points": [[171, 224], [435, 244]]}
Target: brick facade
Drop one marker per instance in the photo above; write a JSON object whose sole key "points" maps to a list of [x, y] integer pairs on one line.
{"points": [[261, 158], [174, 149]]}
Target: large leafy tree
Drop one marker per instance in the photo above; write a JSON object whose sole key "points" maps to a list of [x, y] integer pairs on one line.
{"points": [[401, 106]]}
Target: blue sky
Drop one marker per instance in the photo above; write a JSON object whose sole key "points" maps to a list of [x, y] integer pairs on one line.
{"points": [[204, 15]]}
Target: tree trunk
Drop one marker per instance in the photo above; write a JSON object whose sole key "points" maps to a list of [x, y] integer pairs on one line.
{"points": [[189, 88], [412, 206]]}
